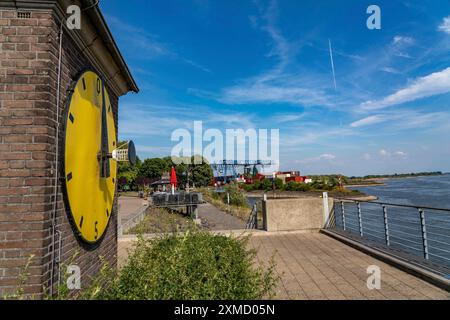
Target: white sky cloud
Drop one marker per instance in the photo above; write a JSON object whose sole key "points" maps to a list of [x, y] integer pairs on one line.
{"points": [[368, 121], [399, 154], [445, 25], [427, 86]]}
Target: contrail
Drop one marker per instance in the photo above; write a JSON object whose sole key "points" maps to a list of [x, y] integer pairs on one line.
{"points": [[332, 65]]}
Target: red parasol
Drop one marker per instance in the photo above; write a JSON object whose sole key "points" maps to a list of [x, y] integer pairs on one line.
{"points": [[173, 178]]}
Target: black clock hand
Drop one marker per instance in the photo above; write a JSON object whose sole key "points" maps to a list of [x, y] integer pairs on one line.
{"points": [[104, 162]]}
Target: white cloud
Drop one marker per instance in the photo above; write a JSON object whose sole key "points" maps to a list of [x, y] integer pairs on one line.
{"points": [[283, 83], [368, 121], [282, 118], [445, 25], [390, 70], [387, 154], [427, 86], [400, 154], [396, 120], [327, 156], [367, 156], [146, 45], [399, 40]]}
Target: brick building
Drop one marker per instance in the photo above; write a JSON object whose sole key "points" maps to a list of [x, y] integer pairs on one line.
{"points": [[32, 221]]}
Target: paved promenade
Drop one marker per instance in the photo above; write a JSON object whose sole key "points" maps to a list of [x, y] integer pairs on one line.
{"points": [[313, 266], [219, 220], [316, 266], [128, 207]]}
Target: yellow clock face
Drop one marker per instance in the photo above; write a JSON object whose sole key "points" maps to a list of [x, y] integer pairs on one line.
{"points": [[90, 173]]}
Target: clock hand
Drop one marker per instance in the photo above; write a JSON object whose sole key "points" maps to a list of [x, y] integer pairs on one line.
{"points": [[104, 161]]}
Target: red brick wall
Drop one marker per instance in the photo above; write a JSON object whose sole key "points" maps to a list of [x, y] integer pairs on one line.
{"points": [[28, 78]]}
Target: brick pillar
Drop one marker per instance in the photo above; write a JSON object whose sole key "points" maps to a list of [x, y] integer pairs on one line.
{"points": [[28, 114]]}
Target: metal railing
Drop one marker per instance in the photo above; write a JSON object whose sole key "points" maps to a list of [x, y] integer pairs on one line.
{"points": [[252, 222], [133, 221], [421, 231]]}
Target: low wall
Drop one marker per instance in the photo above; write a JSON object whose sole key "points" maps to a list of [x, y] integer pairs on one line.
{"points": [[293, 214]]}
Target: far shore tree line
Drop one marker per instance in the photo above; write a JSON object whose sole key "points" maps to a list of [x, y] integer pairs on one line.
{"points": [[199, 173], [144, 173]]}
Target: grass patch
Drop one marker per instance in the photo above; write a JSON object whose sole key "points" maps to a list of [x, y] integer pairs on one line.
{"points": [[240, 210], [194, 266], [161, 220]]}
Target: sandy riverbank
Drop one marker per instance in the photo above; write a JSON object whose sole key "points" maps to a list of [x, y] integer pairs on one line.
{"points": [[302, 194]]}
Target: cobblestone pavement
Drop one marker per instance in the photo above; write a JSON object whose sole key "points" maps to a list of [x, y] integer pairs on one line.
{"points": [[316, 266]]}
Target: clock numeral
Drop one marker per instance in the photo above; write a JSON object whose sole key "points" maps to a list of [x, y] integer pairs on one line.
{"points": [[96, 231], [99, 86], [113, 180], [107, 213], [71, 118], [109, 108], [81, 222], [84, 84], [69, 176]]}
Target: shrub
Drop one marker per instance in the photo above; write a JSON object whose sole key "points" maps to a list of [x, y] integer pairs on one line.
{"points": [[290, 186], [278, 184], [303, 187], [267, 185], [237, 198], [197, 265]]}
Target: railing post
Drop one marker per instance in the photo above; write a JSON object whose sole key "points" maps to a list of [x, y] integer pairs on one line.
{"points": [[386, 227], [255, 221], [424, 233], [343, 215], [358, 204]]}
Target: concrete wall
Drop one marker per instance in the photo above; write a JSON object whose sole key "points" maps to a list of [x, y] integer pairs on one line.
{"points": [[294, 214]]}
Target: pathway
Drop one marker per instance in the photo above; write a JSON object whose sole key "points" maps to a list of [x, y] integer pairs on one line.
{"points": [[219, 220], [316, 266], [128, 207]]}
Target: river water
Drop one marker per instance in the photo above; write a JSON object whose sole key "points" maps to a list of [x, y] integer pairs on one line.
{"points": [[431, 191], [404, 223]]}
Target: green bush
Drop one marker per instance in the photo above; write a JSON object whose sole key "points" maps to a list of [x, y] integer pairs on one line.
{"points": [[290, 186], [197, 265], [266, 185], [303, 187], [237, 197]]}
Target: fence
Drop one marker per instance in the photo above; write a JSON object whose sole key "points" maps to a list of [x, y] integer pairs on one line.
{"points": [[133, 221], [421, 231]]}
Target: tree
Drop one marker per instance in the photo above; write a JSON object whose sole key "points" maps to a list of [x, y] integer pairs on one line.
{"points": [[202, 174], [128, 173], [153, 168], [278, 183]]}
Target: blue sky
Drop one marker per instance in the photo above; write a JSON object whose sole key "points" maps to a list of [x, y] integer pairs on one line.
{"points": [[266, 64]]}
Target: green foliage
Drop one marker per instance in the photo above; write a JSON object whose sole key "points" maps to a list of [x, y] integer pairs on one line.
{"points": [[202, 173], [278, 184], [153, 168], [401, 175], [237, 197], [22, 280], [196, 265], [266, 185], [297, 186]]}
